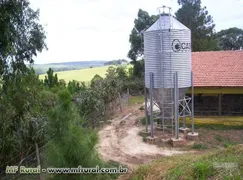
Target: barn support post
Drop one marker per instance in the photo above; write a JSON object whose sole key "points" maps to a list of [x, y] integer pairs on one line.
{"points": [[220, 105], [151, 104]]}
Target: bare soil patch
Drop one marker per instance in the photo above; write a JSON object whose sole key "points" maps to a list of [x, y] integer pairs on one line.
{"points": [[119, 141]]}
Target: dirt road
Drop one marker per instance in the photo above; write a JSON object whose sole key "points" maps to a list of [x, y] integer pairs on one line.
{"points": [[119, 141]]}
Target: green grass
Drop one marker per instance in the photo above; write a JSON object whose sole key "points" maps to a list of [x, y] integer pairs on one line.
{"points": [[217, 123], [199, 146], [80, 75], [195, 166], [227, 142], [136, 100]]}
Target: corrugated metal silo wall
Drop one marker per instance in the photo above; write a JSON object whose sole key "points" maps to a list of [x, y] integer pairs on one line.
{"points": [[173, 59]]}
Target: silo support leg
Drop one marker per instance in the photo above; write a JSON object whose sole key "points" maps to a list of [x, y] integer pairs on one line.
{"points": [[184, 115], [192, 135], [146, 108], [151, 139], [176, 105], [151, 105], [176, 141]]}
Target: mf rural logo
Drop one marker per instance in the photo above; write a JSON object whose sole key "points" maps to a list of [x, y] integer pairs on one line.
{"points": [[177, 46]]}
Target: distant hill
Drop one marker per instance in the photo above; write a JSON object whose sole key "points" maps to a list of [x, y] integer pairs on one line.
{"points": [[116, 62], [66, 66]]}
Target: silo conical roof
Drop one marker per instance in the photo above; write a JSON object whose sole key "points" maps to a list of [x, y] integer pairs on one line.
{"points": [[165, 21]]}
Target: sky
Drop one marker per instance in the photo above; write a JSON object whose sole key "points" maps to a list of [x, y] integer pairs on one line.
{"points": [[85, 30]]}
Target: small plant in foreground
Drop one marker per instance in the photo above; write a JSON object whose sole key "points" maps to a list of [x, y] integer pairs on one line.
{"points": [[176, 173], [141, 172], [229, 144], [199, 146], [141, 108], [143, 120], [203, 170], [144, 139]]}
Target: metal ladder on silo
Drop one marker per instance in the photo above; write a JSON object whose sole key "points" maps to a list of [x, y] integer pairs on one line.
{"points": [[167, 97], [161, 101], [171, 94]]}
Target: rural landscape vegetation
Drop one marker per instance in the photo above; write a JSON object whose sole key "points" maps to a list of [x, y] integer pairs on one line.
{"points": [[56, 117]]}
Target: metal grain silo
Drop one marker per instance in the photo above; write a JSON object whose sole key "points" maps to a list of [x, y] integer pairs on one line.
{"points": [[167, 53]]}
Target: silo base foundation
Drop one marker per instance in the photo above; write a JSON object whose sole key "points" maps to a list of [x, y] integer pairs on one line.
{"points": [[144, 133], [184, 130], [152, 140], [177, 142], [192, 136]]}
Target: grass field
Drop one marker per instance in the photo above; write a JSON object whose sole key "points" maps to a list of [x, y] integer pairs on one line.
{"points": [[80, 75]]}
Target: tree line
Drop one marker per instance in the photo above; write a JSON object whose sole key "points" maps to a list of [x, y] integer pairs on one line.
{"points": [[194, 16]]}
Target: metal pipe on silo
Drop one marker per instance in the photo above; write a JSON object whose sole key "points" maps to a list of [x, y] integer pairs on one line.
{"points": [[151, 104]]}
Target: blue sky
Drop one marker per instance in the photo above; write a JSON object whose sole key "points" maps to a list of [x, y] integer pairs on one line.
{"points": [[83, 30]]}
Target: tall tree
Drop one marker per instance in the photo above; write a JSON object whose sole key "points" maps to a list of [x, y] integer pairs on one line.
{"points": [[141, 23], [230, 39], [196, 18], [21, 36]]}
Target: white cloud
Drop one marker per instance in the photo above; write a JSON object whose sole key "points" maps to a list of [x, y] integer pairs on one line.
{"points": [[81, 30]]}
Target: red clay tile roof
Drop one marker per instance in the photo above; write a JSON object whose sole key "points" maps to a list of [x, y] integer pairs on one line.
{"points": [[218, 68]]}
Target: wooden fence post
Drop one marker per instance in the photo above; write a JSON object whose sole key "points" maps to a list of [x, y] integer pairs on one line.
{"points": [[120, 102], [128, 95]]}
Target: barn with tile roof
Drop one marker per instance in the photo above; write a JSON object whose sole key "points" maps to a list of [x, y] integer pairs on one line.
{"points": [[218, 82]]}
